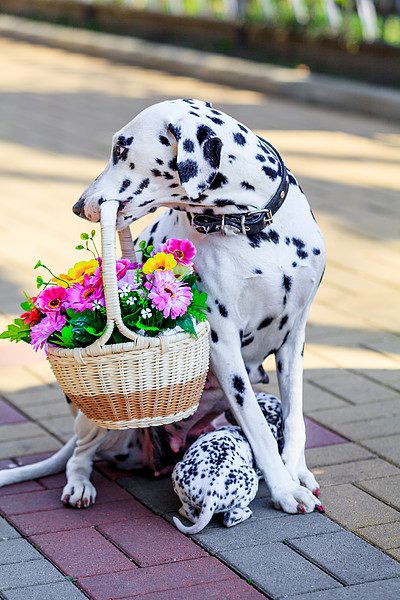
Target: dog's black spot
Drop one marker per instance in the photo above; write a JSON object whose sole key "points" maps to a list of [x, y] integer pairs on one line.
{"points": [[294, 264], [287, 241], [274, 236], [132, 166], [191, 112], [159, 161], [285, 338], [167, 175], [239, 399], [287, 282], [154, 228], [150, 241], [222, 202], [239, 139], [222, 310], [270, 173], [272, 160], [153, 209], [279, 366], [247, 186], [316, 251], [257, 271], [164, 239], [215, 120], [283, 322], [174, 185], [188, 145], [231, 157], [124, 185], [121, 457], [164, 140], [214, 336], [156, 172], [265, 323], [243, 128], [247, 341], [218, 181], [302, 350], [145, 203], [238, 384], [212, 152], [187, 170], [142, 186], [175, 130], [260, 157], [292, 180], [123, 141], [299, 245], [100, 201], [204, 133]]}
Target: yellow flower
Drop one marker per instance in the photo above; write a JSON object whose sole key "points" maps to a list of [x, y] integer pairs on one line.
{"points": [[159, 262], [77, 273]]}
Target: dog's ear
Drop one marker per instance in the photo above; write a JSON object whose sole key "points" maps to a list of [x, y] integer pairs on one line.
{"points": [[198, 156]]}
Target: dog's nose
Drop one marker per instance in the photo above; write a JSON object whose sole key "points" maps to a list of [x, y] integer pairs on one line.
{"points": [[77, 208]]}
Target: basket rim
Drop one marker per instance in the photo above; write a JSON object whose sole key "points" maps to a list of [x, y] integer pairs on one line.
{"points": [[94, 350]]}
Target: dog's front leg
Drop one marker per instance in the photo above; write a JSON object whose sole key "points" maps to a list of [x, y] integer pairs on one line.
{"points": [[229, 367], [289, 360], [79, 491]]}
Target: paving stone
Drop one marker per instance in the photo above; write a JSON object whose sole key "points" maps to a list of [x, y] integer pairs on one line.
{"points": [[316, 399], [317, 435], [386, 488], [372, 414], [353, 508], [355, 388], [61, 426], [6, 531], [13, 379], [20, 488], [384, 536], [65, 518], [359, 470], [30, 573], [157, 494], [334, 455], [369, 429], [17, 550], [33, 398], [395, 552], [51, 591], [229, 589], [347, 557], [280, 571], [388, 447], [153, 579], [20, 431], [151, 541], [32, 445], [375, 590], [252, 533], [70, 551], [9, 415]]}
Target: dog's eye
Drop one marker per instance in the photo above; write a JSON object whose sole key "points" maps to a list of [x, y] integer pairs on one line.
{"points": [[117, 150]]}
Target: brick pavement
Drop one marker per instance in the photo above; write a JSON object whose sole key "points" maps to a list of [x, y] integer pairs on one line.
{"points": [[58, 113]]}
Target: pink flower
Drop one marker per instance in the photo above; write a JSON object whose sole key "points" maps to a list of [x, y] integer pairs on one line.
{"points": [[183, 250], [168, 294], [52, 299], [82, 296], [121, 266], [41, 332], [129, 280]]}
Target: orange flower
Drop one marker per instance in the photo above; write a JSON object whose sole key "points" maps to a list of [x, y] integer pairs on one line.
{"points": [[77, 273]]}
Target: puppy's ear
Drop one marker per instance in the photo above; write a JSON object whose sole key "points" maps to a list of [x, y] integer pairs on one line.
{"points": [[198, 155]]}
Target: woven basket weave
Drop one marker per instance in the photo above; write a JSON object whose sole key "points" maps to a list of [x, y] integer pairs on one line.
{"points": [[143, 383]]}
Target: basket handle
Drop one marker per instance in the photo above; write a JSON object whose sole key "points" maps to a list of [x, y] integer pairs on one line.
{"points": [[108, 220]]}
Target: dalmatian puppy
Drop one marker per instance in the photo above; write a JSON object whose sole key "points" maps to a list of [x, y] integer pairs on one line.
{"points": [[260, 258], [217, 473]]}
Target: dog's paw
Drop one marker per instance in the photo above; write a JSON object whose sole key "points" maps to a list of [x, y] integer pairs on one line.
{"points": [[79, 494], [296, 499]]}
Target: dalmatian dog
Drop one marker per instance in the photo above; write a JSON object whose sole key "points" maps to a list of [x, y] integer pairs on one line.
{"points": [[260, 258], [217, 473]]}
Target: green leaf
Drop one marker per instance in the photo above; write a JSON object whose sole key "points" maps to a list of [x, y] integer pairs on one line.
{"points": [[26, 306], [187, 324], [93, 233], [84, 236], [39, 281], [17, 332], [80, 247], [38, 264]]}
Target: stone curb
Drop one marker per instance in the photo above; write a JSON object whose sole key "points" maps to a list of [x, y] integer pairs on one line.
{"points": [[297, 84]]}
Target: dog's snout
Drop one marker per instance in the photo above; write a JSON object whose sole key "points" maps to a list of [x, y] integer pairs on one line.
{"points": [[77, 208]]}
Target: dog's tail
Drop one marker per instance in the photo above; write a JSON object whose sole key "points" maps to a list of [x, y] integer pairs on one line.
{"points": [[204, 518], [49, 466]]}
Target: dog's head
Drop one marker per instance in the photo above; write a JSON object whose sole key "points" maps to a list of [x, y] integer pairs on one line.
{"points": [[169, 154]]}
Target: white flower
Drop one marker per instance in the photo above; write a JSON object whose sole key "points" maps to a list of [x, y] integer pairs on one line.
{"points": [[125, 290], [146, 313], [96, 305], [131, 300]]}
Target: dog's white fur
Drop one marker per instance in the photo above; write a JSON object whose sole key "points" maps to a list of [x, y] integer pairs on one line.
{"points": [[185, 156]]}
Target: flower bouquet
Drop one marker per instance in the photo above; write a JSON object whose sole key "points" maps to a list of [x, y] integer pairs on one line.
{"points": [[128, 342]]}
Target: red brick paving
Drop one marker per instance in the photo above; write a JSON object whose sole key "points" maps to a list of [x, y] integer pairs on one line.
{"points": [[151, 541], [82, 552], [10, 415], [127, 584], [229, 589]]}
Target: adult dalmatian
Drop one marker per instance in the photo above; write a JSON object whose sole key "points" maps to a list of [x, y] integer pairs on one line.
{"points": [[260, 258]]}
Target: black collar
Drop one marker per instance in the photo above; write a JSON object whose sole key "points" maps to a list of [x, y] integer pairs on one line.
{"points": [[247, 223]]}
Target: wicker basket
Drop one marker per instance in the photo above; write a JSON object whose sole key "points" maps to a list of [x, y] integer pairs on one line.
{"points": [[146, 382]]}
